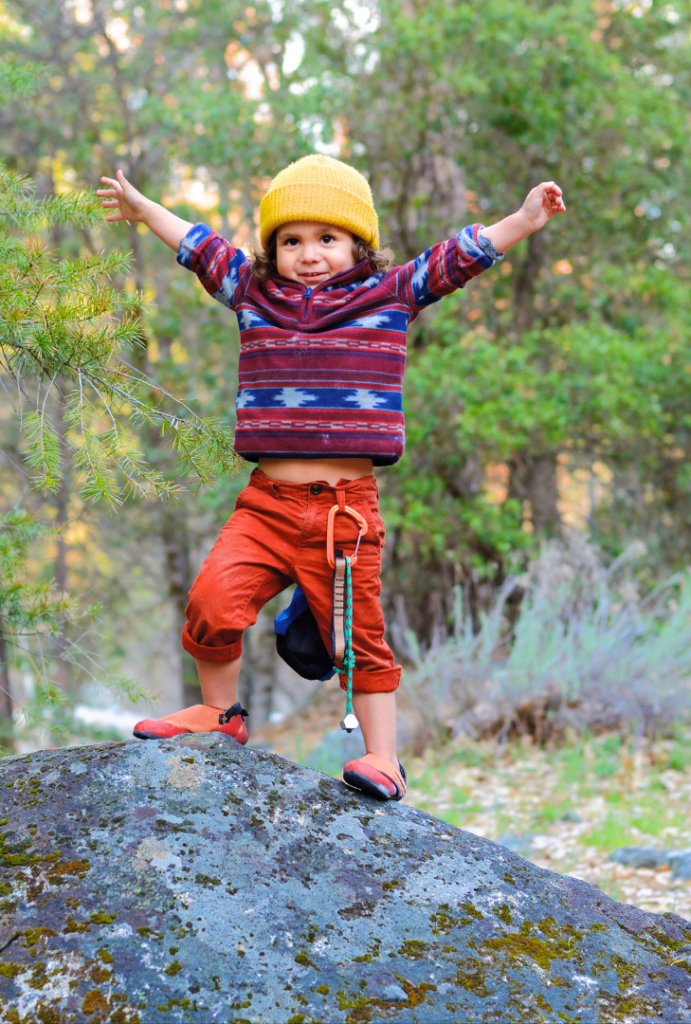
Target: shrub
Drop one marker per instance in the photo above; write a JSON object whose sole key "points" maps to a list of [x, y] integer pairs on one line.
{"points": [[587, 651]]}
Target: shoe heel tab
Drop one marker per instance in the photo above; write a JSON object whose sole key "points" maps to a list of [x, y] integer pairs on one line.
{"points": [[237, 709]]}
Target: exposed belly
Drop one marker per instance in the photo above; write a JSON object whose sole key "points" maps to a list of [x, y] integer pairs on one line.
{"points": [[305, 471]]}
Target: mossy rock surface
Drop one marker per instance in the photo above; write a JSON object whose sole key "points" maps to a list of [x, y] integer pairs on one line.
{"points": [[195, 880]]}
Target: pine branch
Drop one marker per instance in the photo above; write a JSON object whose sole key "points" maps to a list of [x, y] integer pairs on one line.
{"points": [[64, 320], [20, 79]]}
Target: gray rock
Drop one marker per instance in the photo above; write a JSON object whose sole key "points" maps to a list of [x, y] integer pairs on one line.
{"points": [[679, 861], [682, 955], [516, 843], [194, 880], [680, 864], [385, 986], [638, 857], [572, 816]]}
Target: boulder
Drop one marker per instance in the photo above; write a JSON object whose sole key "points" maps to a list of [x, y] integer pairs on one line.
{"points": [[516, 843], [640, 857], [195, 880], [678, 861]]}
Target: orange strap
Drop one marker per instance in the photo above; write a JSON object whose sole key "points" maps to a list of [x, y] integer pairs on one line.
{"points": [[330, 527]]}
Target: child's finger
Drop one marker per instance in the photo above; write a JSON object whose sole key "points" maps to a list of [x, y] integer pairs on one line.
{"points": [[110, 181], [554, 196]]}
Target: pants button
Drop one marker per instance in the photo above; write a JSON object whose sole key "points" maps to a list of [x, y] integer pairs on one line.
{"points": [[315, 489]]}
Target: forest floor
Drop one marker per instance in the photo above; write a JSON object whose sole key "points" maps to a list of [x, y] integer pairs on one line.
{"points": [[566, 809]]}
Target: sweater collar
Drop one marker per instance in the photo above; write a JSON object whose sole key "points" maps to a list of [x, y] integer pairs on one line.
{"points": [[361, 270]]}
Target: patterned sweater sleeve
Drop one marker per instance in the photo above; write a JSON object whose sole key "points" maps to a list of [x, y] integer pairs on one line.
{"points": [[220, 267], [445, 267]]}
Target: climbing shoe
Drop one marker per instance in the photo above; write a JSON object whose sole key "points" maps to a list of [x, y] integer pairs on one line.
{"points": [[376, 777], [199, 718]]}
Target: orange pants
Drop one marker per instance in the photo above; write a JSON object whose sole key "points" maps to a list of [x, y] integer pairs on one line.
{"points": [[275, 537]]}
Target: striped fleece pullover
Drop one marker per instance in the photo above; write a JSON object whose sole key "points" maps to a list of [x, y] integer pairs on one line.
{"points": [[321, 369]]}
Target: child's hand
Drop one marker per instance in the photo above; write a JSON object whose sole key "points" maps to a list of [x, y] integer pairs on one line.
{"points": [[123, 198], [542, 203], [128, 204]]}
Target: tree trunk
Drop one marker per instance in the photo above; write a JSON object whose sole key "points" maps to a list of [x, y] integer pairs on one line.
{"points": [[5, 687], [175, 538], [172, 522], [259, 667], [61, 508], [134, 241], [524, 283], [534, 478], [544, 494]]}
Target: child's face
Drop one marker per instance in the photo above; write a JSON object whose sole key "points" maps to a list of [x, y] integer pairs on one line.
{"points": [[311, 253]]}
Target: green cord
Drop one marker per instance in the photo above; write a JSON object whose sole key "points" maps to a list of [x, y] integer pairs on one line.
{"points": [[349, 656]]}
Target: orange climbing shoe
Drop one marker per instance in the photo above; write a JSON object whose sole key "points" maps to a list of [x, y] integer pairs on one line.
{"points": [[199, 718], [376, 777]]}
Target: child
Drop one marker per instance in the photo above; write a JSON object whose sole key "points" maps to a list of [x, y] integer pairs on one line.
{"points": [[323, 317]]}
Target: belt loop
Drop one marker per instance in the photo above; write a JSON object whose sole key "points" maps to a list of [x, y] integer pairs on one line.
{"points": [[340, 498]]}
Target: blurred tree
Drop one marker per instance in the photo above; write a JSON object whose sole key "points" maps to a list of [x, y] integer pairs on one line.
{"points": [[65, 337], [575, 348], [575, 343], [159, 91]]}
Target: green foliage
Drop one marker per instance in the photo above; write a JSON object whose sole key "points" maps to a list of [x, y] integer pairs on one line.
{"points": [[66, 328], [69, 342], [578, 344], [19, 79], [33, 616], [31, 613]]}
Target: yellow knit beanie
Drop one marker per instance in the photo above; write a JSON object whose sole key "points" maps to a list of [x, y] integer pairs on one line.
{"points": [[319, 188]]}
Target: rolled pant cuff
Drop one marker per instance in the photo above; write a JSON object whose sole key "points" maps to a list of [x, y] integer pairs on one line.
{"points": [[216, 655], [381, 681]]}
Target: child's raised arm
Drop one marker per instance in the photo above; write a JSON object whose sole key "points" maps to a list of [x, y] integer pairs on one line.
{"points": [[128, 204], [542, 203]]}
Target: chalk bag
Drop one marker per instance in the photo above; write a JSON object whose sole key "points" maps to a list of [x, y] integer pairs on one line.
{"points": [[299, 642]]}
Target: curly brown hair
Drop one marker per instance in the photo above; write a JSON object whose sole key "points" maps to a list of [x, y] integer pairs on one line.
{"points": [[263, 261]]}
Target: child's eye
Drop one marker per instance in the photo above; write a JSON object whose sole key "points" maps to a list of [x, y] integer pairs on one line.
{"points": [[327, 238], [291, 241]]}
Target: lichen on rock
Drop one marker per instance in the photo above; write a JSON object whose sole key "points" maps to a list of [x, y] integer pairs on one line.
{"points": [[195, 880]]}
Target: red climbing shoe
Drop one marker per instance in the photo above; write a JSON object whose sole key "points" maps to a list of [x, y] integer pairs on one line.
{"points": [[199, 718], [376, 777]]}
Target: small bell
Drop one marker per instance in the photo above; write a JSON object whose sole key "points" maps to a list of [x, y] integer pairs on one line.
{"points": [[349, 723]]}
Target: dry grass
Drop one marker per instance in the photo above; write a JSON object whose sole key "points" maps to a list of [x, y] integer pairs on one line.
{"points": [[588, 652]]}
